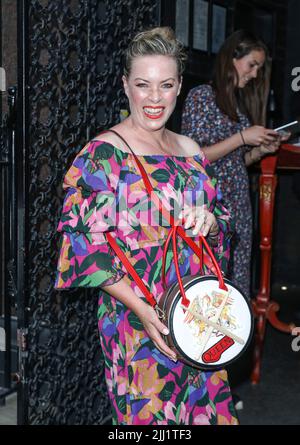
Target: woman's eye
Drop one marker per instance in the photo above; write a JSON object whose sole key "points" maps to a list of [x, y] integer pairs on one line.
{"points": [[141, 85], [167, 85]]}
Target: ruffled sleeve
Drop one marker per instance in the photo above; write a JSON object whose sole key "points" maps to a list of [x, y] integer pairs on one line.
{"points": [[89, 210]]}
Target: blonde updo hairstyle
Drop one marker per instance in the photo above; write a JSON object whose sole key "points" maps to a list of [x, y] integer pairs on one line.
{"points": [[160, 41]]}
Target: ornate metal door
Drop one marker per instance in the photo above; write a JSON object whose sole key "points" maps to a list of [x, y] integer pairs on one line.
{"points": [[69, 61]]}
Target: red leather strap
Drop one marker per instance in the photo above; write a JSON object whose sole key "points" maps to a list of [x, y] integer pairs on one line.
{"points": [[163, 266], [174, 230], [184, 300], [166, 214], [130, 268]]}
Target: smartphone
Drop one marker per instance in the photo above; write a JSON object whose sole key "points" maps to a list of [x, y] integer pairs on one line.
{"points": [[291, 127]]}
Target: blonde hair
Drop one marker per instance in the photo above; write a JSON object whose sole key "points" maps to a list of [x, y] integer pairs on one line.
{"points": [[160, 41]]}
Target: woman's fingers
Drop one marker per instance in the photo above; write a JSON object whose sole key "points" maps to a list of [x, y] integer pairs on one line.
{"points": [[205, 223], [208, 222], [257, 135], [154, 327], [199, 226], [191, 217], [271, 132], [201, 220], [159, 342], [164, 349], [189, 220], [270, 148], [270, 137], [285, 137]]}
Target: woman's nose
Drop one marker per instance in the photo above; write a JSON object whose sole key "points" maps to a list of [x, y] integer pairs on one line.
{"points": [[155, 95], [254, 73]]}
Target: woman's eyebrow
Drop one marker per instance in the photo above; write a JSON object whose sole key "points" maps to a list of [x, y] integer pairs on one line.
{"points": [[148, 81], [166, 80], [139, 78], [258, 63]]}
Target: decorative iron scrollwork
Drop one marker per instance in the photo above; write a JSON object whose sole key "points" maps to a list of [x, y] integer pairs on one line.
{"points": [[3, 141], [75, 67]]}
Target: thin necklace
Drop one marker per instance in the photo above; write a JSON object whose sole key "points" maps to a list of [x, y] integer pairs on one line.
{"points": [[167, 142]]}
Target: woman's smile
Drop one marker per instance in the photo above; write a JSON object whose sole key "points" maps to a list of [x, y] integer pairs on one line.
{"points": [[153, 112]]}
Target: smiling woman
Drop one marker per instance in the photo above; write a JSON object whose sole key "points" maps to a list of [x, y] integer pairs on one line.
{"points": [[107, 198], [152, 89], [248, 66]]}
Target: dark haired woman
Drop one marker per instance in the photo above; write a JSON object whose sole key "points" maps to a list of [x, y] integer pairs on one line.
{"points": [[227, 120]]}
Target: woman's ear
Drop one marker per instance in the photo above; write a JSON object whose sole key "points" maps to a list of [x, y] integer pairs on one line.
{"points": [[180, 85], [125, 84]]}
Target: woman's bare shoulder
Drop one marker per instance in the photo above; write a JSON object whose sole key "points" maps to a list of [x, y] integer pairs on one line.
{"points": [[112, 138], [188, 145]]}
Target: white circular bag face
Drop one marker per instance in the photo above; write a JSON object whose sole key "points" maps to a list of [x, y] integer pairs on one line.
{"points": [[216, 327]]}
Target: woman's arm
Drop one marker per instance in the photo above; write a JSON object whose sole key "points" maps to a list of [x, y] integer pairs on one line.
{"points": [[223, 148], [257, 153], [199, 118], [254, 135]]}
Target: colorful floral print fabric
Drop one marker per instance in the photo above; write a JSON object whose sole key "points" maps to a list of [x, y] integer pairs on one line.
{"points": [[204, 122], [105, 192]]}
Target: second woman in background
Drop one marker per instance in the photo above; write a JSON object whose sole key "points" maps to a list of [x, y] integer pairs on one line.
{"points": [[227, 119]]}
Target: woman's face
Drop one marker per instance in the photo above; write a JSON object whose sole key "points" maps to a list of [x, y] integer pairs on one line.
{"points": [[152, 88], [248, 66]]}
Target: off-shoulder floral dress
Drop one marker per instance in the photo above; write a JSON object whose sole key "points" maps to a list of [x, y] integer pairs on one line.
{"points": [[105, 192]]}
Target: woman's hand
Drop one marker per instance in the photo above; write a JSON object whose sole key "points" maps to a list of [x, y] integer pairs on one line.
{"points": [[284, 136], [154, 328], [200, 220], [257, 135], [272, 147], [260, 151]]}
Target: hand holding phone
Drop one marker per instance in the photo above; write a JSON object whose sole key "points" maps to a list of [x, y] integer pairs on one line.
{"points": [[287, 130], [284, 135], [258, 134]]}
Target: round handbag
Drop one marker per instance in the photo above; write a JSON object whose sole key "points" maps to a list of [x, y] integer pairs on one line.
{"points": [[209, 319], [216, 327]]}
